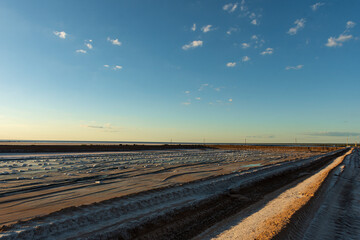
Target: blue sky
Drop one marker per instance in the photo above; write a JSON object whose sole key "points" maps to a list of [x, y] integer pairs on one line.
{"points": [[267, 71]]}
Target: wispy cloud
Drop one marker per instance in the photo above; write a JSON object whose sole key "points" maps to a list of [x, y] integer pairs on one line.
{"points": [[261, 136], [81, 51], [61, 34], [245, 59], [198, 98], [186, 103], [243, 7], [268, 51], [334, 134], [107, 127], [350, 24], [231, 64], [298, 67], [299, 24], [106, 66], [230, 7], [206, 28], [204, 85], [93, 126], [230, 100], [187, 92], [193, 28], [343, 37], [114, 41], [316, 6], [193, 44]]}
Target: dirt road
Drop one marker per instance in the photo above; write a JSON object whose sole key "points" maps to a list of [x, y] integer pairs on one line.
{"points": [[335, 211]]}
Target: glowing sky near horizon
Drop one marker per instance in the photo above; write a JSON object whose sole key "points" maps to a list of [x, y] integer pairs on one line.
{"points": [[223, 71]]}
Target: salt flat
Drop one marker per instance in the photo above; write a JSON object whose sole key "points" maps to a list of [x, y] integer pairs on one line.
{"points": [[37, 184]]}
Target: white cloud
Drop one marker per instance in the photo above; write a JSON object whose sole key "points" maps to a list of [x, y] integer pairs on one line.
{"points": [[230, 100], [268, 51], [344, 38], [80, 51], [331, 42], [256, 42], [117, 67], [217, 89], [245, 59], [186, 103], [298, 67], [253, 18], [338, 42], [245, 45], [231, 30], [206, 28], [193, 44], [254, 22], [231, 64], [231, 7], [114, 41], [193, 28], [316, 6], [89, 45], [299, 23], [350, 24], [198, 98], [60, 34], [187, 92]]}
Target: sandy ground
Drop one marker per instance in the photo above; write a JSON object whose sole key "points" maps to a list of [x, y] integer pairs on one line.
{"points": [[334, 212], [267, 218], [37, 184]]}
